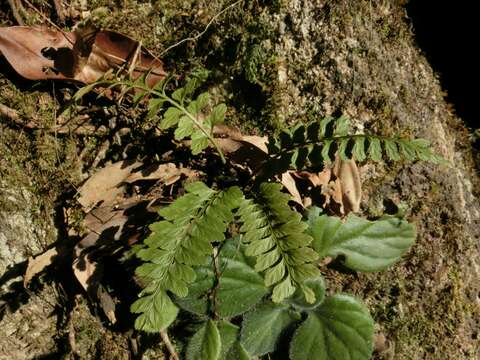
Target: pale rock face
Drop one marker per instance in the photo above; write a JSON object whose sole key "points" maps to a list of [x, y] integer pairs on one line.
{"points": [[27, 327]]}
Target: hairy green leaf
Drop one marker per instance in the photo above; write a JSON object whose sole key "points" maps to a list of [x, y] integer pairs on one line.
{"points": [[228, 335], [238, 280], [263, 326], [274, 234], [170, 118], [365, 245], [218, 114], [205, 344], [238, 352], [299, 298], [340, 328]]}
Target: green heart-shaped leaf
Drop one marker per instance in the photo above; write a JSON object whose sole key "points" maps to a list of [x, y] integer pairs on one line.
{"points": [[205, 344], [366, 245], [341, 328], [262, 327], [239, 289]]}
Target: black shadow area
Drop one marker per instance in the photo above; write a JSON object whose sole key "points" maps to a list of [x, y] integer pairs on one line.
{"points": [[447, 32]]}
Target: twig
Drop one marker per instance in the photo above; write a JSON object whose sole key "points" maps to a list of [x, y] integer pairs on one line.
{"points": [[196, 37], [169, 345], [59, 10], [10, 114], [14, 5], [45, 18], [78, 128]]}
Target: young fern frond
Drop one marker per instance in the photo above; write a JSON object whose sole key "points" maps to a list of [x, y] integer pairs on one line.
{"points": [[318, 142], [274, 234], [187, 116], [176, 244]]}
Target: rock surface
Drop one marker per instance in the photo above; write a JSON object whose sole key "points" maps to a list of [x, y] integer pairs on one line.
{"points": [[278, 62]]}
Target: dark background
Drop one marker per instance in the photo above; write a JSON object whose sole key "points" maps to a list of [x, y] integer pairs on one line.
{"points": [[447, 32]]}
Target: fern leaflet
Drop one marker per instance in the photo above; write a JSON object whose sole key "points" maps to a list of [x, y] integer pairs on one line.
{"points": [[318, 142], [275, 236], [177, 243]]}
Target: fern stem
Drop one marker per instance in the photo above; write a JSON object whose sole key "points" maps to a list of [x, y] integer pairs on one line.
{"points": [[186, 112], [199, 126], [307, 143], [169, 345]]}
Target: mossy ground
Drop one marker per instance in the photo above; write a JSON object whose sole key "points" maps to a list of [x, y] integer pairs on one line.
{"points": [[276, 62]]}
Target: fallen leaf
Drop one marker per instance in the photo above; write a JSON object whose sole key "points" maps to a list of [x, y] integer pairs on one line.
{"points": [[37, 264], [351, 185], [39, 53], [107, 304], [84, 269], [106, 184], [253, 150], [289, 182], [167, 173], [339, 182]]}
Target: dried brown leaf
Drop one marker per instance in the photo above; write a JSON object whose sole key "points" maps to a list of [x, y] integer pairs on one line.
{"points": [[167, 173], [351, 185], [106, 184], [107, 304], [289, 182], [37, 264], [39, 53], [84, 269]]}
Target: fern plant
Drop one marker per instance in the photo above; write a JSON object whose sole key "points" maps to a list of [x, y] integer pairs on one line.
{"points": [[242, 260]]}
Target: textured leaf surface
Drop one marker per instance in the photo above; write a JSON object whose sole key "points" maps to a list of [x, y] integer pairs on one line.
{"points": [[366, 245], [341, 328], [205, 344], [238, 352], [274, 235], [238, 281], [262, 327], [228, 335], [317, 286]]}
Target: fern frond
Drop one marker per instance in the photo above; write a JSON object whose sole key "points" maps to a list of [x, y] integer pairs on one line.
{"points": [[188, 116], [274, 234], [183, 239], [318, 142]]}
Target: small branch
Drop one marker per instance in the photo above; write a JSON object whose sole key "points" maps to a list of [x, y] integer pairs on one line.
{"points": [[14, 6], [59, 10], [77, 128], [196, 37], [216, 270], [169, 345]]}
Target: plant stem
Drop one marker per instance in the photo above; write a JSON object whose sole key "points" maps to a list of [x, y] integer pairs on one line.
{"points": [[169, 345], [187, 113]]}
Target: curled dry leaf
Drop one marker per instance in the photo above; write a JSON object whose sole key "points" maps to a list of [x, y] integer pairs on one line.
{"points": [[339, 183], [108, 184], [289, 182], [37, 264], [39, 53], [351, 185], [252, 150]]}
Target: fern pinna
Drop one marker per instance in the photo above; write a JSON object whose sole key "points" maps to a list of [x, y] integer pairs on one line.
{"points": [[275, 236], [182, 240], [318, 142]]}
